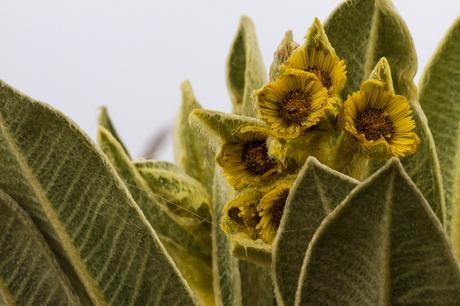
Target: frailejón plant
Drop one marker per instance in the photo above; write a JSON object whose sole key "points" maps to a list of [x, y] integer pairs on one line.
{"points": [[335, 181]]}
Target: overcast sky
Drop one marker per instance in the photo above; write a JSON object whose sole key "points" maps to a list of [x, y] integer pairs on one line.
{"points": [[132, 55]]}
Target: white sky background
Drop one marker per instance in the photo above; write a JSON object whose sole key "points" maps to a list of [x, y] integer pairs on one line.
{"points": [[132, 55]]}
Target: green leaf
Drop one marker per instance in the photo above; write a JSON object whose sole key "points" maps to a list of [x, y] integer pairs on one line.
{"points": [[150, 164], [187, 195], [105, 121], [180, 242], [256, 285], [315, 194], [440, 98], [29, 274], [423, 167], [245, 69], [56, 174], [383, 245], [221, 127], [190, 147], [362, 32], [227, 283]]}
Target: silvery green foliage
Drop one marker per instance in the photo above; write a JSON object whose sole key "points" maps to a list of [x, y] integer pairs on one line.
{"points": [[82, 224]]}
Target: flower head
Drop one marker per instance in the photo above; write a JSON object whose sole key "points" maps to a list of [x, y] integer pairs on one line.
{"points": [[271, 208], [247, 162], [378, 118], [324, 64], [294, 102], [240, 214]]}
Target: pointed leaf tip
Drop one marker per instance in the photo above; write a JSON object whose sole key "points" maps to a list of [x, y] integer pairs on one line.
{"points": [[105, 121], [385, 240], [245, 68], [325, 189]]}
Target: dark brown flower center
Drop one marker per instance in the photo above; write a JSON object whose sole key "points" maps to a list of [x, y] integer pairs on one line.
{"points": [[250, 219], [278, 207], [323, 76], [255, 158], [233, 214], [374, 123], [295, 107]]}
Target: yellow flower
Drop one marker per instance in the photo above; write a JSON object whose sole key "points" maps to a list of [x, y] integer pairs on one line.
{"points": [[246, 162], [291, 104], [240, 215], [378, 118], [324, 64], [271, 209]]}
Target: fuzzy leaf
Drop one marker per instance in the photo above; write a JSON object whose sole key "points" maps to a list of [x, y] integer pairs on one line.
{"points": [[227, 284], [190, 148], [440, 98], [245, 69], [423, 167], [29, 274], [105, 121], [362, 32], [383, 245], [256, 285], [222, 127], [177, 239], [185, 192], [54, 172], [315, 194], [150, 164]]}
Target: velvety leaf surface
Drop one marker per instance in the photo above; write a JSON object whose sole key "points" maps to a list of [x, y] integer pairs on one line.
{"points": [[383, 245], [315, 194], [29, 273], [187, 194], [151, 164], [220, 127], [256, 285], [363, 31], [187, 251], [190, 147], [227, 283], [245, 69], [440, 98], [54, 172]]}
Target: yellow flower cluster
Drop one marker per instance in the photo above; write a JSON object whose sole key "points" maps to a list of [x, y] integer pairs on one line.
{"points": [[372, 122], [257, 212]]}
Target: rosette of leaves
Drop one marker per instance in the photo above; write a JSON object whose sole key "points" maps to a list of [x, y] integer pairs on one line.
{"points": [[320, 214]]}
